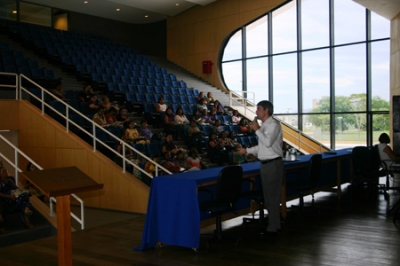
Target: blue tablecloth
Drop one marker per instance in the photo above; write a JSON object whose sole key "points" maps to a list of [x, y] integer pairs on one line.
{"points": [[173, 216]]}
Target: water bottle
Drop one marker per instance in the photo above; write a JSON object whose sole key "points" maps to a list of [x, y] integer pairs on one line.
{"points": [[293, 154], [287, 156]]}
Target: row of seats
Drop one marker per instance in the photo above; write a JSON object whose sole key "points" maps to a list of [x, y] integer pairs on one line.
{"points": [[121, 69], [162, 90], [100, 68], [13, 61], [132, 80]]}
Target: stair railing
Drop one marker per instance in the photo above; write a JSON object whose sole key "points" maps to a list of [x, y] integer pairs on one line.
{"points": [[15, 164], [44, 94]]}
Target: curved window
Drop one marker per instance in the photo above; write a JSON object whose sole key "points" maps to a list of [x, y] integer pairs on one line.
{"points": [[326, 69]]}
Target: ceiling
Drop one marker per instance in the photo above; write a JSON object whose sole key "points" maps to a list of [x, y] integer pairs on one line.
{"points": [[386, 8], [149, 11], [130, 11]]}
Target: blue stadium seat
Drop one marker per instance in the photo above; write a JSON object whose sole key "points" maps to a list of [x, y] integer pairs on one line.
{"points": [[174, 91], [158, 90], [153, 149], [167, 90], [129, 97], [141, 89], [122, 87], [132, 88], [149, 97], [149, 89]]}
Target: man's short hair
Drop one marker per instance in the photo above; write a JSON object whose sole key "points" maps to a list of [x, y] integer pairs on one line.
{"points": [[267, 105]]}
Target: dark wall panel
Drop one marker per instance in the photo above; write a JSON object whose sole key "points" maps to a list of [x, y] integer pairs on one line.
{"points": [[148, 39]]}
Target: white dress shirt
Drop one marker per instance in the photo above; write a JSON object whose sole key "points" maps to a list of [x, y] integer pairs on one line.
{"points": [[270, 140]]}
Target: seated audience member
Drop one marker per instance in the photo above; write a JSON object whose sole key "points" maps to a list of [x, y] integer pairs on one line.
{"points": [[107, 104], [218, 108], [216, 151], [233, 138], [217, 127], [180, 121], [161, 109], [169, 146], [169, 164], [210, 98], [128, 150], [150, 167], [202, 105], [180, 117], [244, 127], [92, 105], [386, 153], [169, 122], [212, 117], [235, 117], [85, 93], [29, 186], [133, 135], [12, 203], [196, 116], [196, 135], [183, 163], [145, 131], [195, 160], [238, 158], [99, 117], [59, 92], [111, 118], [201, 97], [122, 115], [225, 141], [206, 118]]}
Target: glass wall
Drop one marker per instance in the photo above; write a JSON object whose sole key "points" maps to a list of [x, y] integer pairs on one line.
{"points": [[325, 77]]}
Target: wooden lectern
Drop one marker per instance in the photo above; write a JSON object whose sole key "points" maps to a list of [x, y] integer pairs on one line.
{"points": [[60, 183]]}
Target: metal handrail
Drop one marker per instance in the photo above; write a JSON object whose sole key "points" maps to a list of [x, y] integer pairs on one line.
{"points": [[17, 152], [95, 126]]}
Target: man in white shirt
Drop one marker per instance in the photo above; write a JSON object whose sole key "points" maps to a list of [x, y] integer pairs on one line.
{"points": [[269, 152]]}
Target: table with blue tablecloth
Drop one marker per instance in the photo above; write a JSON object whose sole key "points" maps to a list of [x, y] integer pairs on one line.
{"points": [[173, 216]]}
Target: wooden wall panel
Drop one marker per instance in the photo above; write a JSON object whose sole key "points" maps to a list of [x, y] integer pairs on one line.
{"points": [[9, 109], [394, 76], [48, 143], [209, 26]]}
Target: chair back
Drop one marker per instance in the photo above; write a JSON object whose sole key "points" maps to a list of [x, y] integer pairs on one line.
{"points": [[229, 184], [314, 168], [362, 160]]}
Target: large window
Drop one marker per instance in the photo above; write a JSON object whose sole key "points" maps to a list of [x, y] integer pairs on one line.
{"points": [[323, 63]]}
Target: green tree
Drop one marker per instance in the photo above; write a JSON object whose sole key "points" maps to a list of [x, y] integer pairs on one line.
{"points": [[380, 122], [342, 104]]}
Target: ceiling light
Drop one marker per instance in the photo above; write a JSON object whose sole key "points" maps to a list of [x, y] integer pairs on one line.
{"points": [[146, 16], [85, 2], [14, 12], [117, 9], [177, 4]]}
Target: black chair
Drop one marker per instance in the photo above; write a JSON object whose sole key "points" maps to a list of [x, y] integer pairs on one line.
{"points": [[227, 193], [308, 185], [255, 195], [366, 168], [385, 170]]}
